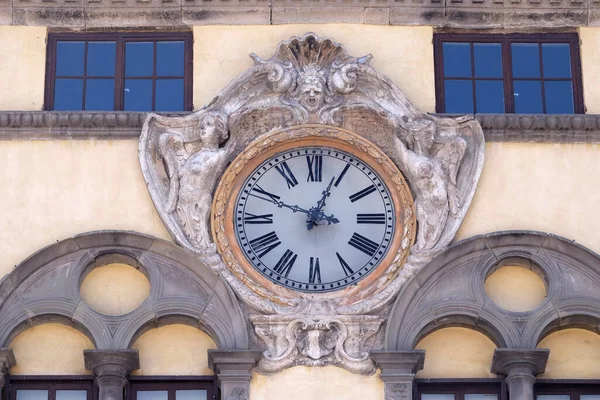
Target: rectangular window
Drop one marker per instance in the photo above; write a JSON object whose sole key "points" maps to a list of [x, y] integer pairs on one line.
{"points": [[460, 389], [143, 388], [51, 388], [516, 73], [119, 72], [567, 390]]}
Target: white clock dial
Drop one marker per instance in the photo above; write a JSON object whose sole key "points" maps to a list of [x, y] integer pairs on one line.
{"points": [[314, 219]]}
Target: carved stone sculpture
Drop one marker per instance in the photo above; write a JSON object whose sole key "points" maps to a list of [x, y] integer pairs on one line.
{"points": [[312, 80]]}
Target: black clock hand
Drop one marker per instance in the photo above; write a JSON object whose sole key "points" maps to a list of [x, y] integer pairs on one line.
{"points": [[316, 215], [271, 198]]}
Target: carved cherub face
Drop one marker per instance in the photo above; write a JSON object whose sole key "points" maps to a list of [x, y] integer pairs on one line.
{"points": [[212, 129], [424, 134], [312, 87]]}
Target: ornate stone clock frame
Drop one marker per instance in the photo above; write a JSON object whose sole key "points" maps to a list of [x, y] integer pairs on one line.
{"points": [[312, 88]]}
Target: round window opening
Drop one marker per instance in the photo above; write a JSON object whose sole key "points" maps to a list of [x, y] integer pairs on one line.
{"points": [[114, 289], [516, 286]]}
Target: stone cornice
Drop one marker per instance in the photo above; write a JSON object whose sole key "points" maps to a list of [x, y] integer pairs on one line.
{"points": [[182, 13], [519, 361], [55, 125]]}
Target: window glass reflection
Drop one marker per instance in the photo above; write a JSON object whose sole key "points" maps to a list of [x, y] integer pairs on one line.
{"points": [[32, 395], [138, 94], [169, 95], [525, 60], [472, 396], [100, 94], [457, 60], [169, 58], [556, 60], [528, 97], [139, 58], [488, 60], [553, 397], [71, 394], [458, 96], [490, 96], [190, 395], [69, 58], [101, 58], [152, 395], [559, 97], [68, 94], [437, 396]]}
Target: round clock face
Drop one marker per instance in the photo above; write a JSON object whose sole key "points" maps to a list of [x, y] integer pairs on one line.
{"points": [[314, 219]]}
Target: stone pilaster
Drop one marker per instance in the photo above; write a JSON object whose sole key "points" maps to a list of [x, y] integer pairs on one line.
{"points": [[233, 369], [398, 369], [111, 368], [7, 361], [520, 368]]}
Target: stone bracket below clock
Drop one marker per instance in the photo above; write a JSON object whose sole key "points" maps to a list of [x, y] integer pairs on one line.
{"points": [[310, 340]]}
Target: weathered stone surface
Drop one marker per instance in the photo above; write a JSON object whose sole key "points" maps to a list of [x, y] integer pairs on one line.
{"points": [[198, 14]]}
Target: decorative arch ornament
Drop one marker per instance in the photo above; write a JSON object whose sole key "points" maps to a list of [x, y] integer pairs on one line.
{"points": [[45, 288], [312, 81]]}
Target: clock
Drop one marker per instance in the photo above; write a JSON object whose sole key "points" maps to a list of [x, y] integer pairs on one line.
{"points": [[312, 211]]}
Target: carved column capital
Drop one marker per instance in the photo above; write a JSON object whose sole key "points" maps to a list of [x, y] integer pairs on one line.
{"points": [[111, 368], [7, 361], [398, 370], [234, 371], [520, 366]]}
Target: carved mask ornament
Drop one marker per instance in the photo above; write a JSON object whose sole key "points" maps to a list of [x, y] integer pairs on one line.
{"points": [[315, 188]]}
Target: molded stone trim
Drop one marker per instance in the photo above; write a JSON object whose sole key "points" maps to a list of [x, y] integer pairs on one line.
{"points": [[7, 361], [449, 291], [233, 370], [111, 368], [520, 368], [45, 288], [89, 125], [398, 369], [176, 13]]}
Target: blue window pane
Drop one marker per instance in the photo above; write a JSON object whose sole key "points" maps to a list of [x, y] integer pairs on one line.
{"points": [[139, 58], [100, 94], [169, 95], [525, 60], [458, 96], [138, 94], [556, 59], [69, 58], [528, 97], [71, 395], [490, 96], [68, 94], [32, 394], [101, 58], [190, 395], [457, 60], [559, 97], [488, 60], [169, 59]]}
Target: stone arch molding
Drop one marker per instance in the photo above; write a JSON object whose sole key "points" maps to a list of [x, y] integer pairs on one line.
{"points": [[45, 288], [450, 291]]}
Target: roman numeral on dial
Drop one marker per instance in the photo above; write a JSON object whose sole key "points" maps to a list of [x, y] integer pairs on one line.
{"points": [[285, 263], [370, 219], [314, 272], [360, 194], [265, 243], [286, 172], [363, 244], [345, 266], [258, 219], [339, 179], [315, 167]]}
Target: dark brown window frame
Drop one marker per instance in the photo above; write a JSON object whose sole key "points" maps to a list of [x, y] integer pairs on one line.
{"points": [[572, 387], [460, 387], [170, 384], [121, 38], [51, 383], [506, 40]]}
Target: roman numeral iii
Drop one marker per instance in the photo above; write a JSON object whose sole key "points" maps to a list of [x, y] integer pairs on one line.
{"points": [[363, 244], [265, 243], [315, 167], [286, 172]]}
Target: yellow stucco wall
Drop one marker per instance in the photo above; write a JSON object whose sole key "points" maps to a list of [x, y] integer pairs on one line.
{"points": [[534, 186], [405, 54], [114, 289], [456, 353], [590, 59], [182, 351], [300, 383], [22, 67], [56, 189], [574, 354], [515, 288], [50, 349]]}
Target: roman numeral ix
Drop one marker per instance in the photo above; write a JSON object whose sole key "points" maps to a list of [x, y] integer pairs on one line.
{"points": [[258, 219], [265, 243], [363, 244], [370, 219], [365, 192], [315, 167], [285, 263], [314, 272], [286, 172]]}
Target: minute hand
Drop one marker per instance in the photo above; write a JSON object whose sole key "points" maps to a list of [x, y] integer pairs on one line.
{"points": [[280, 204]]}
